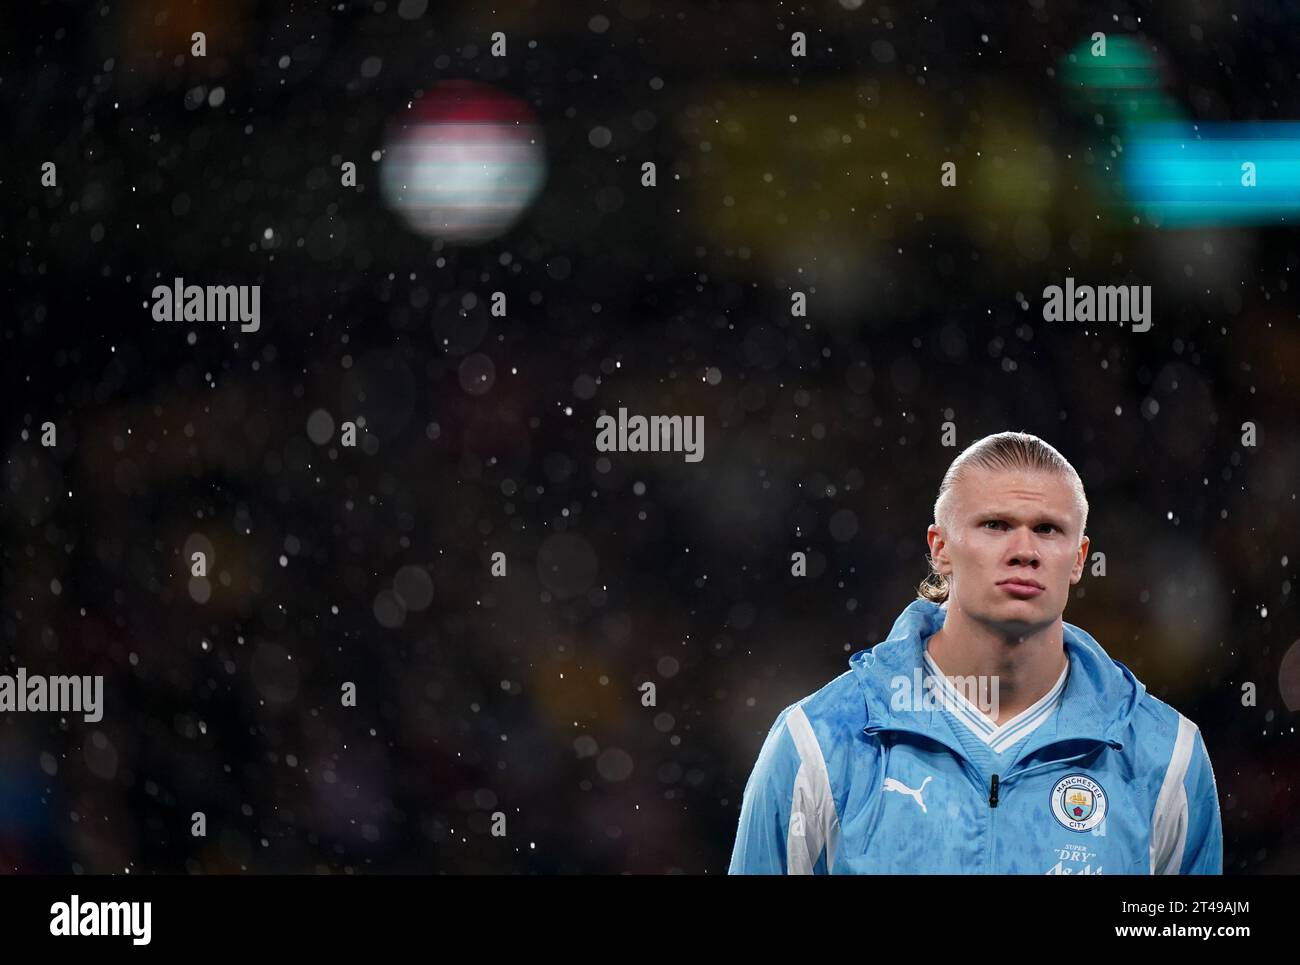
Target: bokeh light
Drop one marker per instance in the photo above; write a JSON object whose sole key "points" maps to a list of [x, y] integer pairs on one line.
{"points": [[464, 162]]}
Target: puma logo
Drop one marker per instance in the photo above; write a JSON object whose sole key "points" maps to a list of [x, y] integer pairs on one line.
{"points": [[893, 784]]}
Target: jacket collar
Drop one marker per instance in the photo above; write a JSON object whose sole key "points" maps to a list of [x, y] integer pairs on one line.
{"points": [[1101, 694]]}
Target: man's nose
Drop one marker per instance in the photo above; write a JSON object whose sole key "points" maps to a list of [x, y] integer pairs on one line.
{"points": [[1024, 549]]}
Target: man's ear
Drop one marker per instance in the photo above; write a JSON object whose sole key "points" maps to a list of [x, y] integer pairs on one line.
{"points": [[938, 547], [1076, 573]]}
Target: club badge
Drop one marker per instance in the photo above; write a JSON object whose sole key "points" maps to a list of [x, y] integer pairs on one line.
{"points": [[1078, 802]]}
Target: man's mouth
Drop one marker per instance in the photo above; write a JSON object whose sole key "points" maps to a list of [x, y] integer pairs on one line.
{"points": [[1022, 589]]}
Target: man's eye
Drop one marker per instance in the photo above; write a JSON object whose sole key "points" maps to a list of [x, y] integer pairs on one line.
{"points": [[1049, 526], [995, 522]]}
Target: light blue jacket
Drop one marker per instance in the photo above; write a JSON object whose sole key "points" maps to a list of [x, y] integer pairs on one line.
{"points": [[1115, 781]]}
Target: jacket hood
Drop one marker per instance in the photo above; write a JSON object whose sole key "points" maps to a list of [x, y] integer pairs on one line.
{"points": [[1101, 694]]}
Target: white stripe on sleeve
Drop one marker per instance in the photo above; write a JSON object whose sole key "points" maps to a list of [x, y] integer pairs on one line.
{"points": [[813, 821], [1169, 822]]}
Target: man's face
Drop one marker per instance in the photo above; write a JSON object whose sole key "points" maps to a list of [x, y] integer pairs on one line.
{"points": [[1010, 529]]}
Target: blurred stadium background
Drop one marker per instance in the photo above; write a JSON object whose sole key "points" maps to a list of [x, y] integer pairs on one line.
{"points": [[775, 174]]}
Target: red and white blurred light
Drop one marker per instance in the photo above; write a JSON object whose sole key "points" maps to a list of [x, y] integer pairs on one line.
{"points": [[464, 163]]}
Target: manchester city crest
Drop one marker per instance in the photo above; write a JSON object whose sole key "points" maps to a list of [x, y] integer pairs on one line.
{"points": [[1078, 802]]}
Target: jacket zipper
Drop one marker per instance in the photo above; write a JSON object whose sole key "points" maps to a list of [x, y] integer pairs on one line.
{"points": [[993, 816]]}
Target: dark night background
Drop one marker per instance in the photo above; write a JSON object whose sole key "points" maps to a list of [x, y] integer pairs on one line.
{"points": [[520, 694]]}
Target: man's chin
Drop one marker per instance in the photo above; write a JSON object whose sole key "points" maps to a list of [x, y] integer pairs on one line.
{"points": [[1018, 618]]}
